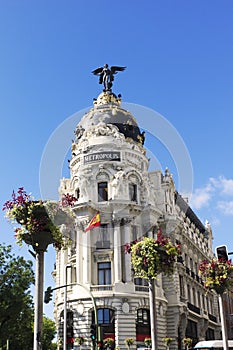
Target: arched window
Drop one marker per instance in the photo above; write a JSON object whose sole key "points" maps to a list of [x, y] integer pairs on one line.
{"points": [[102, 191]]}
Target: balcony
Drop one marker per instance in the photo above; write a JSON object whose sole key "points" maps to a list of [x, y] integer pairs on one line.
{"points": [[103, 245], [100, 288], [212, 318], [194, 308], [141, 289]]}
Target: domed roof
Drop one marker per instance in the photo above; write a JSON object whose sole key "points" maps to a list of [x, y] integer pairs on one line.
{"points": [[107, 109]]}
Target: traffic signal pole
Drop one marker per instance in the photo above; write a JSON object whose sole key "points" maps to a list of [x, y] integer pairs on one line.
{"points": [[50, 290], [65, 309]]}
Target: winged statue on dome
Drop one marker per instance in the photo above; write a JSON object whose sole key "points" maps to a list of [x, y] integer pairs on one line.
{"points": [[106, 75]]}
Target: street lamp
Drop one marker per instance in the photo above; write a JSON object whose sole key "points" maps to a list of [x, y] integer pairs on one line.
{"points": [[65, 308]]}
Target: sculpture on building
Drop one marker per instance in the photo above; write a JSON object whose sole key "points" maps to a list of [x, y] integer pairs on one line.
{"points": [[106, 75], [117, 184]]}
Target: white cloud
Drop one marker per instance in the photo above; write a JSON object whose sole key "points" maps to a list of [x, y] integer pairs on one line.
{"points": [[226, 207], [212, 192], [224, 185], [201, 196]]}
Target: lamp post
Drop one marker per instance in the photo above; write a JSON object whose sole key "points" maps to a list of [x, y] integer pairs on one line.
{"points": [[65, 309], [38, 316], [153, 315], [223, 323]]}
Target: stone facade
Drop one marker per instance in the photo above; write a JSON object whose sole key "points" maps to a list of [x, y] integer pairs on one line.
{"points": [[109, 174]]}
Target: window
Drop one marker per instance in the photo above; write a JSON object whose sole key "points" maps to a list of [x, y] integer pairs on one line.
{"points": [[77, 193], [134, 233], [189, 294], [210, 334], [104, 273], [102, 191], [133, 192], [143, 316], [203, 302], [194, 297], [106, 319], [105, 316], [140, 281], [191, 264], [182, 291], [191, 331], [142, 326], [103, 238]]}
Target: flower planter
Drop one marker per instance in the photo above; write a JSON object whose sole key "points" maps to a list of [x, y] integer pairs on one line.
{"points": [[217, 275], [38, 240]]}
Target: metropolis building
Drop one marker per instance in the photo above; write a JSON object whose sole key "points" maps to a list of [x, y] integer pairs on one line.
{"points": [[109, 175]]}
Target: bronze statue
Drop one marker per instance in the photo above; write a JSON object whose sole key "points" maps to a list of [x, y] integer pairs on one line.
{"points": [[106, 75]]}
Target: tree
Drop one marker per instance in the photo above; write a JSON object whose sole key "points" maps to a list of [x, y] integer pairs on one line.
{"points": [[48, 334], [16, 307]]}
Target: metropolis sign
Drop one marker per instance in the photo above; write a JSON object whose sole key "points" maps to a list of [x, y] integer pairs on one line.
{"points": [[100, 156]]}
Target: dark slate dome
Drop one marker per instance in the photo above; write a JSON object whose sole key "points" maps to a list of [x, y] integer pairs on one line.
{"points": [[107, 109]]}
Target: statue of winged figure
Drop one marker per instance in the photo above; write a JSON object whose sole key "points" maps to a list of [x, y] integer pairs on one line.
{"points": [[106, 75]]}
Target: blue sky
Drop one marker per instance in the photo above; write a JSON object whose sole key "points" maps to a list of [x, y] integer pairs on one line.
{"points": [[179, 58]]}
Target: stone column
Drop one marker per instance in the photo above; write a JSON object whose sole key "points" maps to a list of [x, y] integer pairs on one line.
{"points": [[86, 258], [78, 254], [126, 238], [117, 252]]}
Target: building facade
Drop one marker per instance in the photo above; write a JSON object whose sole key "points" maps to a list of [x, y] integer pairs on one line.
{"points": [[109, 174]]}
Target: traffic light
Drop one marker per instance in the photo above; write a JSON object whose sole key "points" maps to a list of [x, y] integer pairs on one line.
{"points": [[93, 332], [222, 253], [48, 295]]}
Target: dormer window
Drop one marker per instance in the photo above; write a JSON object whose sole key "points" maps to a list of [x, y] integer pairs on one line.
{"points": [[102, 191]]}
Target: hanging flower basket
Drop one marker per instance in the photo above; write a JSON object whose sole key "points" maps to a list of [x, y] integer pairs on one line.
{"points": [[217, 275], [38, 221], [152, 256], [38, 240]]}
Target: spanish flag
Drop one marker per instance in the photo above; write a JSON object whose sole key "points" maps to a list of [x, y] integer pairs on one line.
{"points": [[95, 221]]}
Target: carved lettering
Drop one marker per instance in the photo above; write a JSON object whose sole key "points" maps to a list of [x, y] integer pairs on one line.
{"points": [[95, 157]]}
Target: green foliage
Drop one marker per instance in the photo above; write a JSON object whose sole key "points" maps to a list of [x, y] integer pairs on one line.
{"points": [[16, 308], [80, 340], [147, 342], [167, 341], [150, 257], [108, 343], [129, 342], [48, 333], [187, 342]]}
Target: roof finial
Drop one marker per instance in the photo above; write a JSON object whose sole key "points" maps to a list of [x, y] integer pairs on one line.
{"points": [[106, 75]]}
